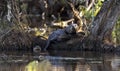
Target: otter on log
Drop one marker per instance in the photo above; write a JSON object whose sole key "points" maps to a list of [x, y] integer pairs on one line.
{"points": [[61, 35]]}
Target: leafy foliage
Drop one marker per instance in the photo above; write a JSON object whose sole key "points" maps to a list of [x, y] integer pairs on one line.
{"points": [[116, 33]]}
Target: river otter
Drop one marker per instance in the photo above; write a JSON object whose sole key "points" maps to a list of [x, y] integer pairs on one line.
{"points": [[61, 35]]}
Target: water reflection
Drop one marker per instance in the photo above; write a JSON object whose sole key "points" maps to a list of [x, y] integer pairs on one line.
{"points": [[43, 65], [59, 61]]}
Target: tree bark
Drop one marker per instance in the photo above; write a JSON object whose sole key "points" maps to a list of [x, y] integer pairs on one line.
{"points": [[105, 20]]}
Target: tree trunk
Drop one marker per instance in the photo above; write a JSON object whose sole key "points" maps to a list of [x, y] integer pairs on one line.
{"points": [[100, 31], [105, 20]]}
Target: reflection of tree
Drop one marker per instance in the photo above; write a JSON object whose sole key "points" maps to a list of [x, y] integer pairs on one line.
{"points": [[90, 62], [86, 64], [60, 65], [115, 63], [81, 66], [38, 66], [12, 66]]}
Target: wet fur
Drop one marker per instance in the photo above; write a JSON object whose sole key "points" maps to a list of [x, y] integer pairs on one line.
{"points": [[58, 35]]}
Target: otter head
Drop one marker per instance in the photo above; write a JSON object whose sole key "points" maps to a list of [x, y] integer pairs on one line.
{"points": [[75, 26], [71, 29]]}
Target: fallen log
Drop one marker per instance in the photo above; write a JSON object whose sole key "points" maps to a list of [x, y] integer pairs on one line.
{"points": [[81, 43]]}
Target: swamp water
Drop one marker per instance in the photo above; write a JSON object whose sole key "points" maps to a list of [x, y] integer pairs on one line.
{"points": [[59, 61]]}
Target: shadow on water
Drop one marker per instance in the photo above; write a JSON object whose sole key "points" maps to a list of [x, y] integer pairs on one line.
{"points": [[59, 61]]}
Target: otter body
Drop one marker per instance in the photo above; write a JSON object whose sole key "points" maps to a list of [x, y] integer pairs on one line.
{"points": [[61, 35]]}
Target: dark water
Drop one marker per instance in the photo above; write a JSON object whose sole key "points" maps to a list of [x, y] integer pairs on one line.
{"points": [[59, 61]]}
